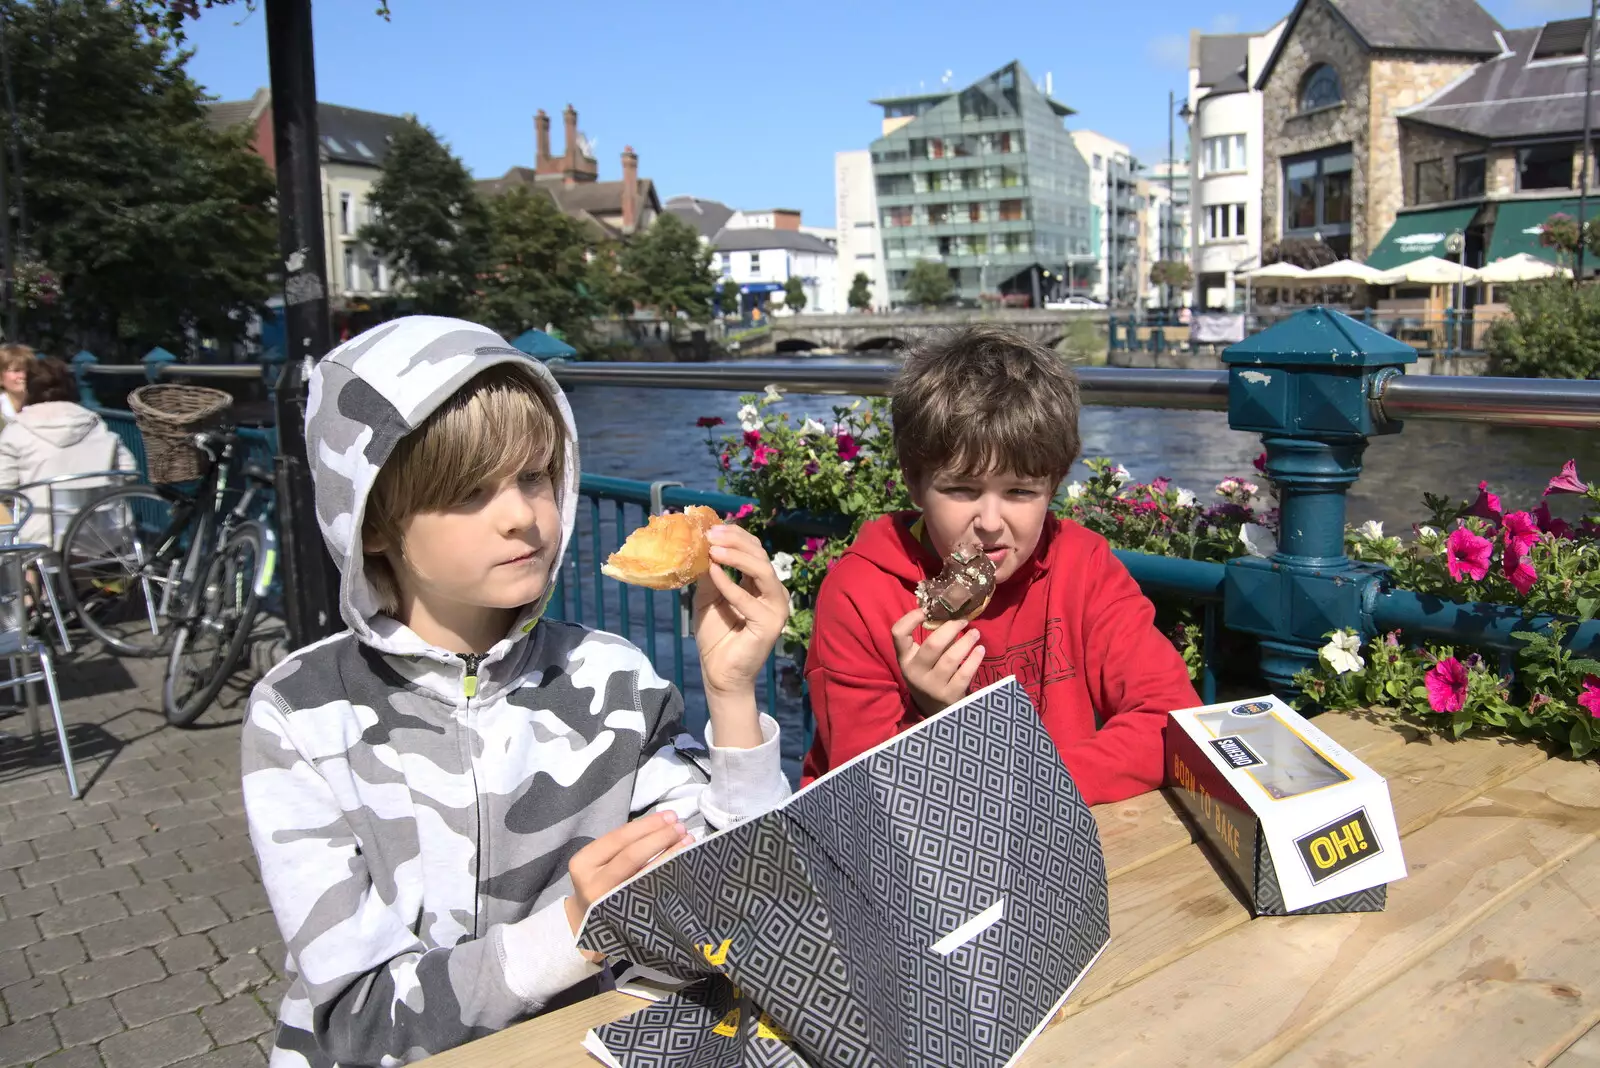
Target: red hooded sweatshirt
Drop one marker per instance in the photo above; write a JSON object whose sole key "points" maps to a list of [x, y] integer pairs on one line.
{"points": [[1071, 625]]}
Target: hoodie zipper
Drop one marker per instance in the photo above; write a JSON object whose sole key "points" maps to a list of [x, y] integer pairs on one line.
{"points": [[469, 683]]}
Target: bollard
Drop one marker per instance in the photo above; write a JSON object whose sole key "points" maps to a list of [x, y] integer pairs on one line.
{"points": [[154, 361], [82, 364], [1306, 386]]}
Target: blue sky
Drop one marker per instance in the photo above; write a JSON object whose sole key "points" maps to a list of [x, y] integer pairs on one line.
{"points": [[744, 103]]}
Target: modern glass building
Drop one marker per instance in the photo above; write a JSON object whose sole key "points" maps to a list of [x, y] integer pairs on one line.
{"points": [[985, 180]]}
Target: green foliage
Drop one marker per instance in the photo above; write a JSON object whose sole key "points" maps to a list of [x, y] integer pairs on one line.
{"points": [[140, 219], [928, 284], [728, 298], [794, 294], [429, 224], [671, 269], [538, 270], [166, 17], [1553, 331], [860, 295], [1173, 273]]}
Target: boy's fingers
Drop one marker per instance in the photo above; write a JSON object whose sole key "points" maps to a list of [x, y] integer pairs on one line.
{"points": [[601, 851], [969, 668], [956, 654], [628, 863], [943, 637]]}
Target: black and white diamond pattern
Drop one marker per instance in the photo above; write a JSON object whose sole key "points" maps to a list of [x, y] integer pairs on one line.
{"points": [[829, 906], [1269, 898]]}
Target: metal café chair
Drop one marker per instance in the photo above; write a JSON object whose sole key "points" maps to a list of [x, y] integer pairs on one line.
{"points": [[17, 643], [64, 495]]}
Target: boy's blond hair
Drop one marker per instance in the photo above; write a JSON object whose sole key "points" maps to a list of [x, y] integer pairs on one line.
{"points": [[501, 421], [981, 400], [15, 357]]}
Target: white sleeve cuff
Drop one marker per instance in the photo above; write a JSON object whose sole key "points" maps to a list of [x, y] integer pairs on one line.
{"points": [[744, 782], [540, 957]]}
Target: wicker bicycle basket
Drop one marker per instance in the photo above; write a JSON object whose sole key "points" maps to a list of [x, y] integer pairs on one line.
{"points": [[168, 416]]}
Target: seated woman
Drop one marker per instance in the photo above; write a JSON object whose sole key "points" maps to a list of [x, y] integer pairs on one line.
{"points": [[54, 435], [14, 361]]}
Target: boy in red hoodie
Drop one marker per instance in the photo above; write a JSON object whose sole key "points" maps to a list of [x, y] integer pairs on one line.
{"points": [[986, 427]]}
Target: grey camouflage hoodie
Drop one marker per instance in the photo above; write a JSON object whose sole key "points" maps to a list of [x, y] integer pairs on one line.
{"points": [[413, 816]]}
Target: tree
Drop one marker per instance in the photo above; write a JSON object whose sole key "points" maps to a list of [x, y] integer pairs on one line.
{"points": [[166, 17], [928, 284], [1174, 273], [153, 224], [794, 294], [537, 268], [728, 298], [1553, 331], [670, 269], [860, 296], [429, 224]]}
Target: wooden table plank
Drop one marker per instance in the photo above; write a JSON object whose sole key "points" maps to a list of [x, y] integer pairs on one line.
{"points": [[554, 1040], [1249, 996], [1584, 1053], [1515, 988], [1166, 908]]}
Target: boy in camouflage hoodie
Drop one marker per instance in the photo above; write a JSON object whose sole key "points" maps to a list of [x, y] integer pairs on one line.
{"points": [[437, 794]]}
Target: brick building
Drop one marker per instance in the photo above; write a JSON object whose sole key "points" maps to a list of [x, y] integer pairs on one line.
{"points": [[614, 209]]}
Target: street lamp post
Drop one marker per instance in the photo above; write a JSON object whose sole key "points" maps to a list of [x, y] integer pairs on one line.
{"points": [[1588, 112], [1456, 245]]}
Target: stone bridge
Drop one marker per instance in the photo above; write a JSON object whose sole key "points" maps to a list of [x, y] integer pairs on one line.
{"points": [[895, 330]]}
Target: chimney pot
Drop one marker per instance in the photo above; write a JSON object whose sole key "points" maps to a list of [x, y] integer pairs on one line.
{"points": [[630, 190], [541, 125]]}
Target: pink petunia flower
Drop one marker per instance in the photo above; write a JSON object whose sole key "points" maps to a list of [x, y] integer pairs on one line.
{"points": [[1520, 534], [1468, 554], [1549, 524], [848, 449], [1521, 530], [1447, 685], [708, 421], [812, 546], [752, 438], [763, 455], [1160, 485], [812, 467], [726, 460], [1567, 481], [1590, 697], [1260, 463], [745, 511], [1487, 506]]}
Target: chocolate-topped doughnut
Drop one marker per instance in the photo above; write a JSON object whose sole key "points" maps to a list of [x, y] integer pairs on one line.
{"points": [[961, 591]]}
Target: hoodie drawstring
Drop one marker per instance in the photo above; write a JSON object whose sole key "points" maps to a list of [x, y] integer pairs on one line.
{"points": [[469, 684]]}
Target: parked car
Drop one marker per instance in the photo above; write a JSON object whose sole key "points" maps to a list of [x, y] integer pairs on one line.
{"points": [[1074, 304]]}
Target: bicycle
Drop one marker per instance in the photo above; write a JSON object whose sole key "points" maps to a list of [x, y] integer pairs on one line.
{"points": [[161, 568]]}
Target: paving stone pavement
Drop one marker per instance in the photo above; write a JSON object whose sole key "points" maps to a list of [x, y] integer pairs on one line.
{"points": [[134, 932]]}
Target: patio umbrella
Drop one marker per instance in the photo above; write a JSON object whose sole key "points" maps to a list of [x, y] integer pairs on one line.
{"points": [[1519, 268], [541, 346], [1429, 271], [1277, 272], [1344, 272]]}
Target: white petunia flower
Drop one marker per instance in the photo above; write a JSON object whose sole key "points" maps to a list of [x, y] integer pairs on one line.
{"points": [[1427, 533], [1372, 530], [1120, 475], [750, 417], [847, 466], [1074, 491], [811, 426], [1186, 499], [783, 566], [774, 394], [1343, 652], [1258, 540]]}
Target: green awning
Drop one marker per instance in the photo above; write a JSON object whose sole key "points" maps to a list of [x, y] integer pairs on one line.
{"points": [[1420, 233], [1517, 226]]}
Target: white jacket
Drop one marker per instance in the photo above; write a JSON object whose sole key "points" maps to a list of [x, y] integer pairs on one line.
{"points": [[52, 439]]}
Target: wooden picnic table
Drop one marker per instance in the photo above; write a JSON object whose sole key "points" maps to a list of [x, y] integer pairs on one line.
{"points": [[1488, 954]]}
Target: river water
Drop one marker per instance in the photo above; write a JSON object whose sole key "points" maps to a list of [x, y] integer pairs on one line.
{"points": [[649, 434]]}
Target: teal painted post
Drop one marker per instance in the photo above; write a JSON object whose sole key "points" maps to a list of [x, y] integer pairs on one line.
{"points": [[154, 361], [1305, 385], [271, 370], [82, 364]]}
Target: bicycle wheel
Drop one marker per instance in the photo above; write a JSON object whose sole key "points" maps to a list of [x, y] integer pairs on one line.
{"points": [[118, 576], [209, 640]]}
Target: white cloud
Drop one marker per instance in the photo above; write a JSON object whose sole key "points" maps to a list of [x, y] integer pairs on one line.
{"points": [[1169, 50]]}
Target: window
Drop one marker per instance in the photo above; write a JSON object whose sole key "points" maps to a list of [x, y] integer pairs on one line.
{"points": [[1225, 222], [1427, 182], [865, 256], [381, 272], [727, 264], [938, 214], [1317, 197], [1545, 166], [1011, 211], [1099, 161], [1224, 153], [1561, 39], [755, 263], [347, 215], [1471, 176], [890, 185], [1321, 89], [896, 217], [351, 279]]}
